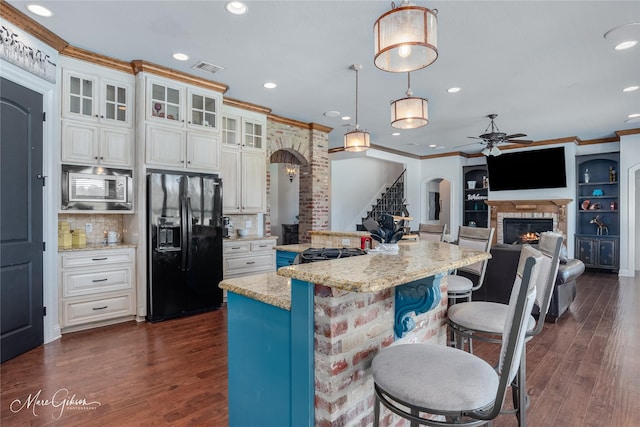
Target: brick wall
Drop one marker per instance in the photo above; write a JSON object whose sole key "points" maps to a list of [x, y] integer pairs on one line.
{"points": [[310, 147], [350, 329]]}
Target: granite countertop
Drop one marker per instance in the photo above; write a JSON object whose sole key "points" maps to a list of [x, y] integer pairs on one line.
{"points": [[235, 238], [296, 247], [340, 233], [266, 287], [378, 271], [97, 246]]}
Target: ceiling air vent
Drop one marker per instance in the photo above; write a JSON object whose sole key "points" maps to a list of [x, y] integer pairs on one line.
{"points": [[207, 68]]}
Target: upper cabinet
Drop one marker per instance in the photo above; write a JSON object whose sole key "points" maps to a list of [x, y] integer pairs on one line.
{"points": [[97, 112], [182, 129], [243, 167]]}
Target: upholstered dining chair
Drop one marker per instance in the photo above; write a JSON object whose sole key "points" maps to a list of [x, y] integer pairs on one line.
{"points": [[459, 286], [483, 320], [432, 231], [451, 387]]}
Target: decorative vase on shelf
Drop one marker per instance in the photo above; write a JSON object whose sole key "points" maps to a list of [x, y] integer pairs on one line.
{"points": [[587, 176]]}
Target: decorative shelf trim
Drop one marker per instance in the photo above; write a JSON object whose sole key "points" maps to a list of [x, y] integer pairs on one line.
{"points": [[415, 297]]}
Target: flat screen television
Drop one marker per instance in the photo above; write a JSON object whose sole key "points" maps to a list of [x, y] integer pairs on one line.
{"points": [[527, 170]]}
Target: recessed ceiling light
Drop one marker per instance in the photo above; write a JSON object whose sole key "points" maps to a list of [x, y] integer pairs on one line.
{"points": [[396, 134], [39, 10], [626, 44], [180, 56], [633, 116], [236, 8], [332, 113], [630, 88], [453, 90], [432, 145], [270, 85], [346, 117]]}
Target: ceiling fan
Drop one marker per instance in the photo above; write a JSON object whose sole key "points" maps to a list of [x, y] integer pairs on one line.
{"points": [[491, 138]]}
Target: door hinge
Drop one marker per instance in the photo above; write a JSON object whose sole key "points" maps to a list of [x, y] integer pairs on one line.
{"points": [[43, 178], [44, 116], [44, 311], [44, 246]]}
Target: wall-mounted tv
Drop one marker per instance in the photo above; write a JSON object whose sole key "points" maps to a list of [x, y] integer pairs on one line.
{"points": [[527, 170]]}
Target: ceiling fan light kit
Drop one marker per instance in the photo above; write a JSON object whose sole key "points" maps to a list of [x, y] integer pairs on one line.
{"points": [[405, 38], [357, 140], [492, 136]]}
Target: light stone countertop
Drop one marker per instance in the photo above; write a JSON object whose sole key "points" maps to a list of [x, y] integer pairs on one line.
{"points": [[339, 233], [375, 272], [295, 247], [96, 246], [266, 287]]}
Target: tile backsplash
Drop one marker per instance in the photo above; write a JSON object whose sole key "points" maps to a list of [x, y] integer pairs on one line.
{"points": [[99, 223]]}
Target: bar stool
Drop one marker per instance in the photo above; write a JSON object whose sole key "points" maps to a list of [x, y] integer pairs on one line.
{"points": [[432, 231], [453, 387], [459, 286]]}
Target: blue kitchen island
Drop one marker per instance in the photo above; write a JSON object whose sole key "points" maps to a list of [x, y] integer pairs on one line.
{"points": [[300, 341]]}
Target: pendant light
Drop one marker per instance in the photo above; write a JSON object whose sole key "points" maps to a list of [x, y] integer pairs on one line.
{"points": [[356, 140], [410, 112], [291, 170], [406, 38]]}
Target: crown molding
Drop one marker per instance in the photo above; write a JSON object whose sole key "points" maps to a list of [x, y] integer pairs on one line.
{"points": [[24, 22], [299, 124], [230, 102], [95, 58], [140, 65]]}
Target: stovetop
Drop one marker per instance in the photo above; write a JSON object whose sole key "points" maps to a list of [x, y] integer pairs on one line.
{"points": [[323, 254]]}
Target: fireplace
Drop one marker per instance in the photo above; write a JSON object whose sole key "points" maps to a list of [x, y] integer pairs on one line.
{"points": [[525, 230]]}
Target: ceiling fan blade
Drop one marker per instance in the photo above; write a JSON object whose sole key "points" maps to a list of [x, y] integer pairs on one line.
{"points": [[520, 141], [515, 135], [474, 137], [467, 145]]}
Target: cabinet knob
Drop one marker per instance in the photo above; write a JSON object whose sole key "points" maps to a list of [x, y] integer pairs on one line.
{"points": [[101, 158], [181, 161], [96, 157], [102, 117], [96, 115], [189, 162]]}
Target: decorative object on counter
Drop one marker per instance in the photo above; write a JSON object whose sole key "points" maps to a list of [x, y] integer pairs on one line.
{"points": [[471, 185], [472, 224], [595, 206], [587, 176], [365, 243], [485, 182], [113, 237], [597, 192], [387, 231], [613, 205], [79, 238], [602, 227], [242, 232], [612, 174], [64, 235], [585, 204]]}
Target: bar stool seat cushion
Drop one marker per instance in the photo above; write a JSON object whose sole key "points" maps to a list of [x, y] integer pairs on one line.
{"points": [[458, 284], [435, 376], [483, 316]]}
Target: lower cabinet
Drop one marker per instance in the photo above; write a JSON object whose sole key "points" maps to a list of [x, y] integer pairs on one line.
{"points": [[96, 288], [246, 257], [598, 252]]}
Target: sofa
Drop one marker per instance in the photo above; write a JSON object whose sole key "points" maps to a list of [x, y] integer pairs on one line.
{"points": [[501, 270]]}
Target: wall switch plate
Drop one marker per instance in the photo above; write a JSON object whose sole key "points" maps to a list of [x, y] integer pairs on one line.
{"points": [[88, 228], [248, 224]]}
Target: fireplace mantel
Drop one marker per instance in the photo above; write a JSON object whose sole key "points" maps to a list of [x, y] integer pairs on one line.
{"points": [[544, 208]]}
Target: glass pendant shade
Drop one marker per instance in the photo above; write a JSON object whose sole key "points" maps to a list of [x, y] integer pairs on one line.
{"points": [[406, 39], [357, 140], [409, 113]]}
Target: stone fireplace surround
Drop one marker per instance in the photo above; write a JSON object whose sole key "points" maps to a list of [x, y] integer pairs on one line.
{"points": [[556, 209]]}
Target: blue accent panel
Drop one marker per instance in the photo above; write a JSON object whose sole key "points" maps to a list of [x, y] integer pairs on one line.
{"points": [[259, 345], [419, 297], [284, 258], [302, 348]]}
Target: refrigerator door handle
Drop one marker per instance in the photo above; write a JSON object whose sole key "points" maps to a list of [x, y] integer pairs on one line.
{"points": [[189, 231], [184, 219]]}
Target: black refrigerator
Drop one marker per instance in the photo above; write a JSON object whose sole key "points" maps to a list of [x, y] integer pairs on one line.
{"points": [[184, 262]]}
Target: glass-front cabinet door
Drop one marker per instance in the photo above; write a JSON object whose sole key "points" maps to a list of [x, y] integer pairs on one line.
{"points": [[116, 103], [79, 96], [165, 103], [230, 130], [253, 135], [203, 110]]}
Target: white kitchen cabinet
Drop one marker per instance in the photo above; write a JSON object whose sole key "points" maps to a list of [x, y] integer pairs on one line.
{"points": [[243, 163], [247, 257], [182, 126], [97, 287], [97, 111]]}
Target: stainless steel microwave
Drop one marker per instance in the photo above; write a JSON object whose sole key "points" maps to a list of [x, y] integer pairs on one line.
{"points": [[96, 188]]}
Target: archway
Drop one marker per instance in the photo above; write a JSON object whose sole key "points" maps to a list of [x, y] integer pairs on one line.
{"points": [[284, 196], [436, 202]]}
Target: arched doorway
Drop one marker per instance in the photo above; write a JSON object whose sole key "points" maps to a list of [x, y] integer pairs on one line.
{"points": [[284, 198], [436, 202]]}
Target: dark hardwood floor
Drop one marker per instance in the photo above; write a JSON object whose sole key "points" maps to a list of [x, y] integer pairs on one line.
{"points": [[582, 371]]}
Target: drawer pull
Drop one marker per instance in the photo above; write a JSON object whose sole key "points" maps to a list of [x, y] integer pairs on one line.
{"points": [[99, 280], [236, 247], [99, 259], [262, 246], [99, 308], [251, 262]]}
